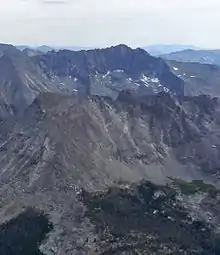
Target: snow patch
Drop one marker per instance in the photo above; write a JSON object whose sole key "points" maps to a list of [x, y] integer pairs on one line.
{"points": [[166, 89], [145, 78], [119, 71], [175, 68], [155, 80], [105, 75], [75, 90], [149, 81], [192, 76], [75, 79]]}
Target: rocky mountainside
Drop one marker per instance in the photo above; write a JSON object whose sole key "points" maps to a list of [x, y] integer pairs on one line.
{"points": [[103, 72], [21, 80], [108, 71], [61, 153], [195, 56], [101, 153], [94, 72], [199, 79]]}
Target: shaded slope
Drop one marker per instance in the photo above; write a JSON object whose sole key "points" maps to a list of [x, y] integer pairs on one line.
{"points": [[147, 219], [23, 234]]}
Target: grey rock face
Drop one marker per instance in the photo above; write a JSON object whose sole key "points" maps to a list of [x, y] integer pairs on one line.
{"points": [[60, 146], [199, 79], [74, 123], [103, 72], [111, 70]]}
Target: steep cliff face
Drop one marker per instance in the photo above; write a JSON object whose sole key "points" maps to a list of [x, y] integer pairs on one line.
{"points": [[108, 70], [103, 72]]}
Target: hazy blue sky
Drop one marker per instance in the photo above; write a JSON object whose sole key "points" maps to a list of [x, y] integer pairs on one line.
{"points": [[107, 22]]}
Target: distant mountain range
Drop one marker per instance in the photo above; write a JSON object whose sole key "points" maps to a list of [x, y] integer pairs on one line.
{"points": [[197, 56], [160, 49], [45, 48], [154, 50], [181, 53]]}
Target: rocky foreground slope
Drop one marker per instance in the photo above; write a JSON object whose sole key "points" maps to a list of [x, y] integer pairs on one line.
{"points": [[95, 157], [72, 175]]}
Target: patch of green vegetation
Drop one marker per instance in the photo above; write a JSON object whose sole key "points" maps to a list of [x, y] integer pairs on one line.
{"points": [[24, 234], [196, 186], [147, 219]]}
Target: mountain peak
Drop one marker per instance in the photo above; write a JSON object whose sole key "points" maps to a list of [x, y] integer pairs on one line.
{"points": [[120, 46]]}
